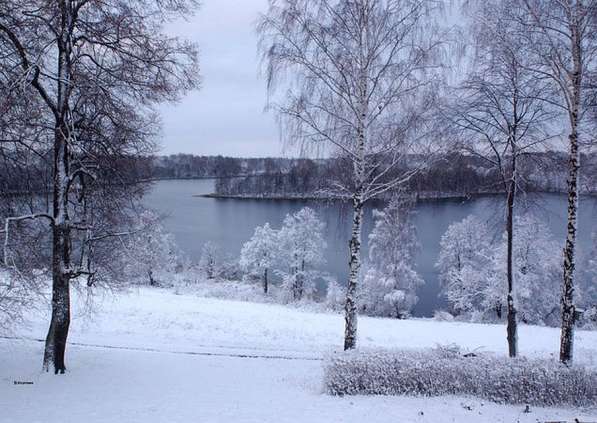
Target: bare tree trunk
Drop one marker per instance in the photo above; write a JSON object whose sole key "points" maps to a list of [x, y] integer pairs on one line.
{"points": [[60, 321], [511, 328], [265, 287], [301, 281], [151, 279], [61, 231], [350, 319]]}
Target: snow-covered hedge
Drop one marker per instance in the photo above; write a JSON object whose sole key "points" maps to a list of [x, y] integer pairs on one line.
{"points": [[446, 371]]}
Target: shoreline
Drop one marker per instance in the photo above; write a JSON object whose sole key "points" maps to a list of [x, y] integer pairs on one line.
{"points": [[425, 197]]}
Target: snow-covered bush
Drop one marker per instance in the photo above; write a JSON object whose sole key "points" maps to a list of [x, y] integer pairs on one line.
{"points": [[301, 245], [446, 371], [442, 316], [258, 255], [335, 295], [390, 281]]}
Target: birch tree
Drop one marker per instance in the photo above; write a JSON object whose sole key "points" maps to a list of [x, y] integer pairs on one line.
{"points": [[498, 110], [96, 69], [560, 39], [356, 75]]}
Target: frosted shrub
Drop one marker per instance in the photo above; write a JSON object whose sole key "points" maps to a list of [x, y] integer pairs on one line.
{"points": [[335, 295], [443, 316], [446, 371]]}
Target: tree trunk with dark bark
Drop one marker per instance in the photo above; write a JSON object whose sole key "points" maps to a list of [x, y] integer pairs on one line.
{"points": [[61, 244], [567, 301], [350, 309], [512, 327], [265, 281]]}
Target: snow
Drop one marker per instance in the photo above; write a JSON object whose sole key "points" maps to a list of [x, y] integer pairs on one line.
{"points": [[181, 358]]}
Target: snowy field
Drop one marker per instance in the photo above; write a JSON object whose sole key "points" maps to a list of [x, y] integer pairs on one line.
{"points": [[153, 356]]}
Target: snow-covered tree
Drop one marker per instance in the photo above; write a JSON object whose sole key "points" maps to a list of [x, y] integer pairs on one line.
{"points": [[210, 256], [560, 39], [150, 253], [94, 72], [536, 270], [474, 276], [497, 110], [463, 263], [301, 247], [258, 254], [390, 282], [364, 78]]}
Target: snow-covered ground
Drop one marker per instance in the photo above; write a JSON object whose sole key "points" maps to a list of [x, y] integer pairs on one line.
{"points": [[153, 356]]}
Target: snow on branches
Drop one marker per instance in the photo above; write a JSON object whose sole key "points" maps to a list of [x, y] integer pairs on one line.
{"points": [[293, 252], [473, 277], [390, 280]]}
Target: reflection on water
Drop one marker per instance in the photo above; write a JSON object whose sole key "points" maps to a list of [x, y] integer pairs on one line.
{"points": [[229, 223]]}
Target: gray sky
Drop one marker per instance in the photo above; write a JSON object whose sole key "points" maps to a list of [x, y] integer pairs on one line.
{"points": [[226, 116]]}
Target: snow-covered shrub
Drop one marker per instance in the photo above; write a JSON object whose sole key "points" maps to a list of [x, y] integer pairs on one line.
{"points": [[335, 295], [443, 316], [446, 371], [390, 282], [301, 245], [229, 269]]}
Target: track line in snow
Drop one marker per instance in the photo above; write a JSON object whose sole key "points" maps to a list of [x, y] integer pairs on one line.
{"points": [[197, 353]]}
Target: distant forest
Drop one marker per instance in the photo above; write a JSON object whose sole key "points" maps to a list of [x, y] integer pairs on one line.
{"points": [[447, 176]]}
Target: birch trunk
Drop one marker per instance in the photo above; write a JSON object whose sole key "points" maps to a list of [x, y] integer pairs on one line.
{"points": [[567, 301], [350, 332], [350, 319]]}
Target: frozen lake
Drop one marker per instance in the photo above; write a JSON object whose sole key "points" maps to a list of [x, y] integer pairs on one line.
{"points": [[228, 223]]}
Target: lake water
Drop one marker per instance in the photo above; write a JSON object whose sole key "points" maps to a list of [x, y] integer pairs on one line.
{"points": [[229, 223]]}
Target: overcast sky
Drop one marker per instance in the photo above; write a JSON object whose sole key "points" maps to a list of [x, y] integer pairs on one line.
{"points": [[226, 116]]}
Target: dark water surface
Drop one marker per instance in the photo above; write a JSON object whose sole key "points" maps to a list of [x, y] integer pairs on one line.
{"points": [[228, 223]]}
